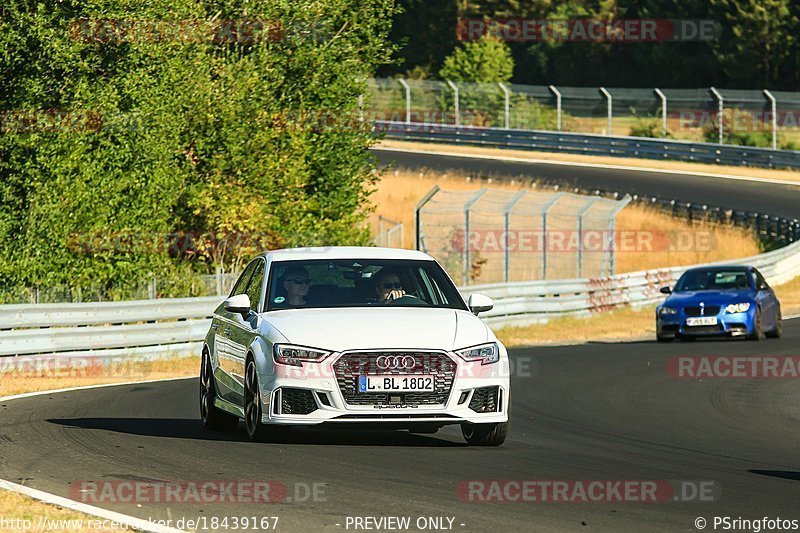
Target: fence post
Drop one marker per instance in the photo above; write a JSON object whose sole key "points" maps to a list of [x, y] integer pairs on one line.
{"points": [[774, 118], [545, 209], [581, 214], [408, 99], [558, 106], [361, 108], [613, 228], [455, 94], [663, 112], [507, 94], [417, 226], [467, 258], [506, 228], [720, 122], [610, 108]]}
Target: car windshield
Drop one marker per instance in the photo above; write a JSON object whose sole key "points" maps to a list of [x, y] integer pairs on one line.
{"points": [[713, 279], [321, 283]]}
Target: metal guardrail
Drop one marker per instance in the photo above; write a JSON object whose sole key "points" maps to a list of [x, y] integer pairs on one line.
{"points": [[154, 328], [539, 301], [589, 144]]}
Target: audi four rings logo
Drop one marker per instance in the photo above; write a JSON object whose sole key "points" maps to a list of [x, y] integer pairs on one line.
{"points": [[396, 362]]}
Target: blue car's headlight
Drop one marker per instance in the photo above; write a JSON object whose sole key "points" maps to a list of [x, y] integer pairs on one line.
{"points": [[741, 307], [287, 354], [485, 353], [663, 311]]}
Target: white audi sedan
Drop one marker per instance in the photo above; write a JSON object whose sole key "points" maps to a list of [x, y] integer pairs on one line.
{"points": [[372, 337]]}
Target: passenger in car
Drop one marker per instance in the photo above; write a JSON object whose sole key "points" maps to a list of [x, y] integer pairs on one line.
{"points": [[295, 284]]}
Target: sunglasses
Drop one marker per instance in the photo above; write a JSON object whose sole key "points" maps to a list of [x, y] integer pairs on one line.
{"points": [[301, 281], [390, 285]]}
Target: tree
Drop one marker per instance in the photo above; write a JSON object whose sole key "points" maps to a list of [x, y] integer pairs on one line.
{"points": [[487, 60]]}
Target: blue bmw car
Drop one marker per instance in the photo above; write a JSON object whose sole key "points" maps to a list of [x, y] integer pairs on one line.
{"points": [[731, 301]]}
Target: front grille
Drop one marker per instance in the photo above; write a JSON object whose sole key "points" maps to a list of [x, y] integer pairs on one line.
{"points": [[352, 365], [702, 329], [297, 402], [710, 310], [484, 400]]}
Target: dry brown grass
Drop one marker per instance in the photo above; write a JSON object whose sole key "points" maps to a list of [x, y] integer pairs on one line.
{"points": [[400, 190], [15, 506], [789, 296], [23, 380], [622, 324], [790, 175]]}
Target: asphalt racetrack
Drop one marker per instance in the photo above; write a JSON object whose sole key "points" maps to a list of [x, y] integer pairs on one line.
{"points": [[766, 198], [589, 412]]}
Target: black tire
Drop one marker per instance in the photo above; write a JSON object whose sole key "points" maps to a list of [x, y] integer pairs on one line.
{"points": [[777, 333], [485, 434], [758, 332], [212, 418], [252, 403], [661, 338]]}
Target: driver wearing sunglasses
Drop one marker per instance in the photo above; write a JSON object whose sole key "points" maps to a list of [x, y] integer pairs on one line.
{"points": [[296, 284], [388, 286]]}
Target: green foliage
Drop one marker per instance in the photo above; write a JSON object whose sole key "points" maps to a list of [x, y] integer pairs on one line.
{"points": [[648, 127], [487, 60], [242, 146]]}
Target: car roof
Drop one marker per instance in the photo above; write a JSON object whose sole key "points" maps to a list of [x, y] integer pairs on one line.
{"points": [[344, 252]]}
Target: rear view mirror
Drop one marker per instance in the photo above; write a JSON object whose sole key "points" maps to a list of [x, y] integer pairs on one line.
{"points": [[479, 303], [239, 304], [665, 290]]}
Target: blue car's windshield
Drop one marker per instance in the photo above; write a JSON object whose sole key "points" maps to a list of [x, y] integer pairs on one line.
{"points": [[714, 279]]}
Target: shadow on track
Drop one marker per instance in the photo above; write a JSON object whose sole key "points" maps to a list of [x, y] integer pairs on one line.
{"points": [[782, 474], [190, 428]]}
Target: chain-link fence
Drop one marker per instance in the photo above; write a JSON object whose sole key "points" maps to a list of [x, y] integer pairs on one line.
{"points": [[769, 119], [490, 236]]}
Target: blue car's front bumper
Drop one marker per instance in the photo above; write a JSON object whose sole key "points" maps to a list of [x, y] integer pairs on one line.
{"points": [[728, 325]]}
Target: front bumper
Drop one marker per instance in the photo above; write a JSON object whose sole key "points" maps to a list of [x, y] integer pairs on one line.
{"points": [[728, 325], [318, 393]]}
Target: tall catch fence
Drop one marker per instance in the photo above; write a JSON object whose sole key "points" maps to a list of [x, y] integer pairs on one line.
{"points": [[492, 236]]}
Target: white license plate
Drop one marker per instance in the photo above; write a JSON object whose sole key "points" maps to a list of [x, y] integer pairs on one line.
{"points": [[396, 383], [702, 321]]}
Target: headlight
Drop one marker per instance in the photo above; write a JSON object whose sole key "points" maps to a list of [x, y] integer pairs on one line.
{"points": [[485, 353], [667, 311], [287, 354], [738, 308]]}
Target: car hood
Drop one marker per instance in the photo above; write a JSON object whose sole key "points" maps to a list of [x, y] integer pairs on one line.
{"points": [[682, 299], [380, 328]]}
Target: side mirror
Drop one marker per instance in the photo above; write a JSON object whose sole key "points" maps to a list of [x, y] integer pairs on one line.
{"points": [[665, 290], [239, 304], [478, 303]]}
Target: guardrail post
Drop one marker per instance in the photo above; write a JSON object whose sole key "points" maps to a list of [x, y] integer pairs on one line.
{"points": [[581, 214], [455, 94], [558, 106], [507, 113], [417, 222], [545, 209], [720, 122], [467, 257], [610, 108], [408, 99], [506, 228], [774, 118], [663, 98]]}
